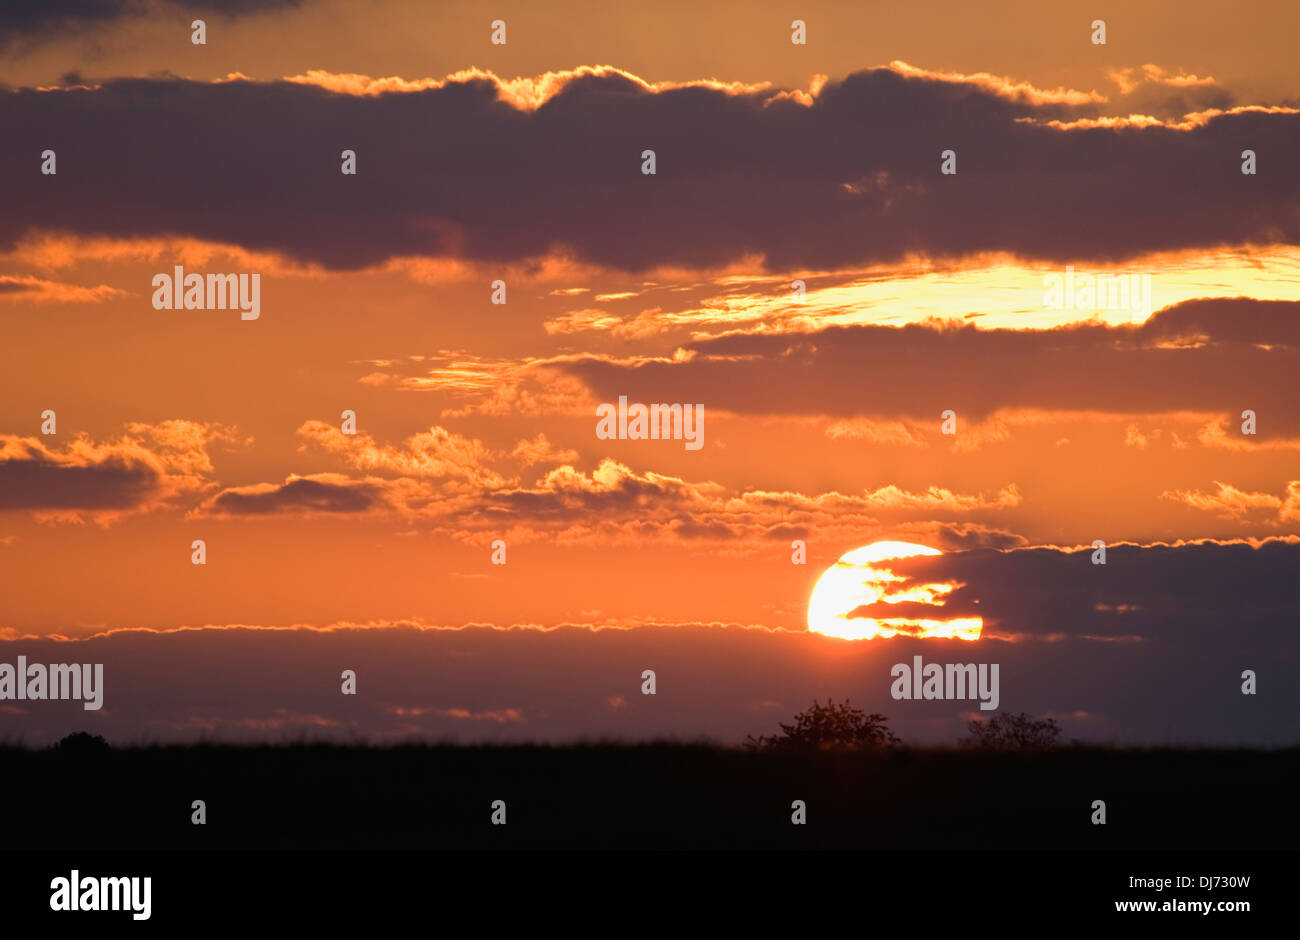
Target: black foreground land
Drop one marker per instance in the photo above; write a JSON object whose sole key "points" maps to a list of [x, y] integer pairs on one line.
{"points": [[668, 796]]}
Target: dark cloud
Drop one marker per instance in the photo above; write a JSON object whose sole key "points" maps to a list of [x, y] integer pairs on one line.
{"points": [[1225, 596], [967, 536], [1227, 320], [617, 501], [149, 467], [47, 18], [32, 477], [927, 368], [852, 179], [1165, 670], [1171, 102], [34, 21], [234, 7], [298, 494]]}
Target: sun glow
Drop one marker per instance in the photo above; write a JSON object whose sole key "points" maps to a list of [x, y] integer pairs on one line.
{"points": [[860, 579]]}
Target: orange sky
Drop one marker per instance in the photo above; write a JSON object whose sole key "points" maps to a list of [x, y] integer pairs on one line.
{"points": [[476, 421]]}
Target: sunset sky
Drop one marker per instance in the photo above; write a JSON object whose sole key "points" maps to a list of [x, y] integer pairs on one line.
{"points": [[924, 292]]}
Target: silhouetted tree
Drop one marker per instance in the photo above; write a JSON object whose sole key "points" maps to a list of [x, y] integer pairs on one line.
{"points": [[829, 727], [1022, 732], [80, 743]]}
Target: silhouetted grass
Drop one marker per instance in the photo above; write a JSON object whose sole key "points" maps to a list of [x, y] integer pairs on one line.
{"points": [[656, 795]]}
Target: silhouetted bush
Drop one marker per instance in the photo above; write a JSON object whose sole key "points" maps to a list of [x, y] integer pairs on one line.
{"points": [[82, 743], [1022, 732], [829, 727]]}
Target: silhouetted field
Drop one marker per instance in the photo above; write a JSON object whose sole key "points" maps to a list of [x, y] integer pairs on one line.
{"points": [[648, 796]]}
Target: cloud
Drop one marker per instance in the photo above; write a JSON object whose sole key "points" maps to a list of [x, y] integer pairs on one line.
{"points": [[1211, 591], [1150, 647], [1152, 90], [446, 481], [581, 321], [148, 468], [322, 492], [1229, 502], [613, 504], [43, 291], [47, 18], [87, 476], [487, 386], [433, 453], [540, 450], [1252, 348], [540, 168], [34, 21], [500, 716], [1217, 433], [1226, 320], [877, 432]]}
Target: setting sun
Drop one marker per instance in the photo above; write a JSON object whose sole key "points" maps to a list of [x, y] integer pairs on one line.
{"points": [[859, 580]]}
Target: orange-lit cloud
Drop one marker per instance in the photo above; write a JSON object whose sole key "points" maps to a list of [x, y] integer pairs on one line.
{"points": [[436, 452], [1229, 502], [149, 467], [43, 291]]}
